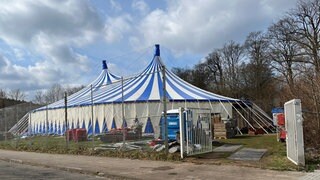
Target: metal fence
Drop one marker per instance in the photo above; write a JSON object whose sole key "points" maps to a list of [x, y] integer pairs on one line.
{"points": [[10, 116], [293, 123], [195, 131]]}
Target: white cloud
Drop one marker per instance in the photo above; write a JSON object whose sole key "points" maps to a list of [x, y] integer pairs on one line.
{"points": [[197, 26], [48, 31], [115, 5], [141, 6], [117, 27]]}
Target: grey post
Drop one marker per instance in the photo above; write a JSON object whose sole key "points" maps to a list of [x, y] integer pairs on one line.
{"points": [[66, 118]]}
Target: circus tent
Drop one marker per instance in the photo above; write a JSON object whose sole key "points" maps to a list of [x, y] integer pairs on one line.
{"points": [[111, 101]]}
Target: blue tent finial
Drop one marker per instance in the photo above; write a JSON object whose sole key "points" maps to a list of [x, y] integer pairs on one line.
{"points": [[157, 50], [104, 64]]}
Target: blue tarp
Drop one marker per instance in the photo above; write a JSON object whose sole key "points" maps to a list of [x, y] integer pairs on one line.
{"points": [[277, 110]]}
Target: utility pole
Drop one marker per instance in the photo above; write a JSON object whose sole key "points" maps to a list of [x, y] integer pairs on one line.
{"points": [[66, 119], [5, 120]]}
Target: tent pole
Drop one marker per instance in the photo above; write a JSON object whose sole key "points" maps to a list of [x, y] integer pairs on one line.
{"points": [[92, 116], [242, 116], [122, 107], [224, 108], [262, 112], [66, 118], [254, 119], [266, 123], [165, 108]]}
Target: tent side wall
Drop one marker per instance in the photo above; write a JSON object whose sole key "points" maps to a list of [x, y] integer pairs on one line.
{"points": [[77, 116]]}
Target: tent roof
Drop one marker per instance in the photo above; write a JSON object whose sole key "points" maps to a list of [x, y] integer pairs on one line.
{"points": [[147, 86]]}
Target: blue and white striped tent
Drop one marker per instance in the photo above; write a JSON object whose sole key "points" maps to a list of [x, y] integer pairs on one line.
{"points": [[142, 95]]}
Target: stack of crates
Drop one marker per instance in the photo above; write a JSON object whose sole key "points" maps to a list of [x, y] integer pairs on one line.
{"points": [[77, 135], [80, 135]]}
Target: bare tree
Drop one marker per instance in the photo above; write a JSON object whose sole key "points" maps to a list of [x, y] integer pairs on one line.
{"points": [[284, 52], [214, 64], [232, 55], [55, 93], [16, 94], [258, 73], [39, 97], [305, 29]]}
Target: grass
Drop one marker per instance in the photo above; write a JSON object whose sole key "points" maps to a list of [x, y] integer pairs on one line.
{"points": [[57, 145], [275, 157]]}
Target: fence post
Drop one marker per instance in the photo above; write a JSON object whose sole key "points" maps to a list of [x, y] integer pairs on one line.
{"points": [[122, 107], [165, 108], [182, 121], [66, 119], [5, 124]]}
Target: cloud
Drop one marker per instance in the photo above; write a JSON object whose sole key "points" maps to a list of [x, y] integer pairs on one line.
{"points": [[141, 6], [49, 32], [115, 5], [197, 26], [117, 27]]}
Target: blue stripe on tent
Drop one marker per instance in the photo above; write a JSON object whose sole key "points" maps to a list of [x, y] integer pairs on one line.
{"points": [[149, 126], [83, 125], [124, 124], [127, 85], [51, 128], [89, 128], [55, 128], [127, 95], [96, 128], [160, 86], [108, 79], [185, 87], [63, 129], [181, 93], [115, 77], [147, 91], [104, 126], [113, 125], [143, 78], [58, 129]]}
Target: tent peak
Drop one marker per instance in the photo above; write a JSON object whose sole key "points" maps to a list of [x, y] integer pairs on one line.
{"points": [[104, 64], [157, 50]]}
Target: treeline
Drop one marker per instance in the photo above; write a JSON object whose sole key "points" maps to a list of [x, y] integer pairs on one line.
{"points": [[270, 67], [53, 94]]}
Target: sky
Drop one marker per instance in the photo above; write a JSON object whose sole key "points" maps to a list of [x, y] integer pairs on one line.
{"points": [[44, 42]]}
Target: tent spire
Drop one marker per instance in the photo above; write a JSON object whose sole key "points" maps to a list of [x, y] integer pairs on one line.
{"points": [[104, 64], [157, 50]]}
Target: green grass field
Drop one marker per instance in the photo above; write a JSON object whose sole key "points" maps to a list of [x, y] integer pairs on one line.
{"points": [[275, 157]]}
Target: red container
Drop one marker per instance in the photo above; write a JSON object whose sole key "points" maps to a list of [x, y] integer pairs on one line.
{"points": [[281, 120], [70, 134], [282, 135], [80, 135]]}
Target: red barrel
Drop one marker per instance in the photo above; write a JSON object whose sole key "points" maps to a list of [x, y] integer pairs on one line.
{"points": [[281, 120]]}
